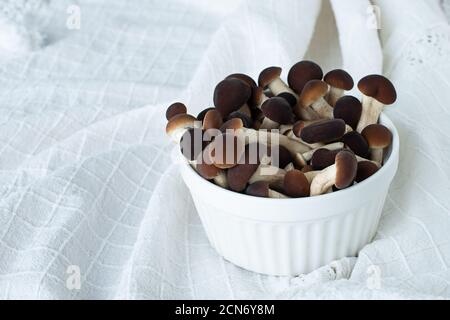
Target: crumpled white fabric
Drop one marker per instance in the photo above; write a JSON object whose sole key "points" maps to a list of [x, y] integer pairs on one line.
{"points": [[86, 178]]}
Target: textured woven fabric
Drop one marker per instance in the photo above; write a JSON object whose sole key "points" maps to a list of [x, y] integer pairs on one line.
{"points": [[85, 168]]}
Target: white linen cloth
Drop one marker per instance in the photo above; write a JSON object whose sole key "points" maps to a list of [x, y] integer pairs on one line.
{"points": [[86, 177]]}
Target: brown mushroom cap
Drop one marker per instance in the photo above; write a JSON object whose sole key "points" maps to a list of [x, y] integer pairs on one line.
{"points": [[301, 73], [346, 166], [253, 100], [239, 175], [180, 121], [365, 170], [298, 127], [174, 109], [227, 150], [212, 120], [230, 95], [202, 114], [377, 136], [246, 120], [284, 157], [243, 77], [313, 91], [258, 189], [356, 142], [278, 109], [204, 166], [192, 144], [268, 75], [323, 158], [349, 109], [258, 95], [379, 88], [340, 79], [323, 131], [289, 97], [295, 184], [232, 124]]}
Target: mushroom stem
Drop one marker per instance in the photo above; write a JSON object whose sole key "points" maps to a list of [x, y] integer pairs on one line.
{"points": [[290, 134], [307, 113], [322, 107], [289, 167], [332, 146], [269, 124], [276, 195], [268, 137], [278, 86], [272, 175], [376, 155], [221, 180], [348, 128], [310, 175], [284, 128], [333, 95], [371, 109], [323, 181]]}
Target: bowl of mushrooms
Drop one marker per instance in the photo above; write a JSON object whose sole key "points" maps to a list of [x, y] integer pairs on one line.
{"points": [[287, 177]]}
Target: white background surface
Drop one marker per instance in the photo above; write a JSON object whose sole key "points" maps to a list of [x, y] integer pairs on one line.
{"points": [[85, 174]]}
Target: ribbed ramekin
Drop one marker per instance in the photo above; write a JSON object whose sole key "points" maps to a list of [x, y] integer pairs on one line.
{"points": [[292, 236]]}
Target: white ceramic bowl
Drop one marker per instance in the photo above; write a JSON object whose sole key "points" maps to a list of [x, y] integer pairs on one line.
{"points": [[292, 236]]}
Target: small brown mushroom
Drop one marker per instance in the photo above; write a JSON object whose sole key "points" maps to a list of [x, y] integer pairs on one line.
{"points": [[323, 158], [260, 97], [365, 170], [239, 175], [226, 150], [357, 143], [261, 189], [297, 128], [212, 120], [250, 82], [378, 137], [339, 81], [202, 114], [377, 92], [323, 131], [295, 184], [192, 144], [231, 95], [174, 109], [276, 111], [301, 73], [270, 78], [313, 95], [209, 171], [306, 156], [247, 121], [289, 97], [341, 174], [233, 124], [348, 108], [179, 123]]}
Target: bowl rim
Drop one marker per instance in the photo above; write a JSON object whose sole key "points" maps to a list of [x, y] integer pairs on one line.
{"points": [[389, 165]]}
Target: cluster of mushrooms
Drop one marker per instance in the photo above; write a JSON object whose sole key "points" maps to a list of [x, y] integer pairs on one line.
{"points": [[322, 140]]}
